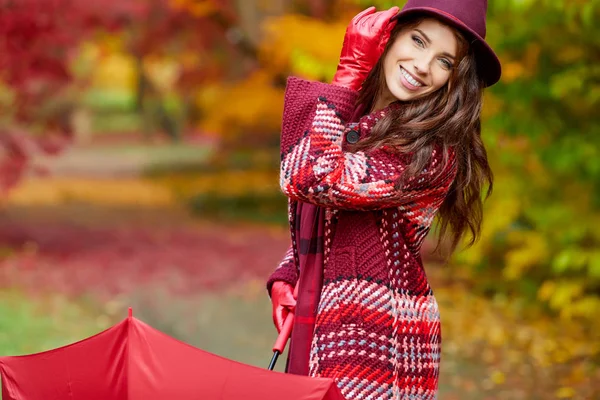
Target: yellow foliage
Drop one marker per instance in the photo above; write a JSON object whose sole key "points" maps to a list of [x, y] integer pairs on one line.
{"points": [[155, 192], [250, 106], [114, 69], [546, 290], [531, 58], [110, 192], [163, 72], [565, 296], [496, 335], [111, 44], [535, 168], [304, 46], [569, 54], [501, 211], [518, 144], [586, 307], [492, 105], [237, 183], [565, 393], [508, 336], [511, 71], [526, 67], [498, 377], [198, 8], [190, 59], [532, 250]]}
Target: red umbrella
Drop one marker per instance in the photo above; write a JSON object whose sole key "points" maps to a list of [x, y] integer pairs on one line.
{"points": [[132, 360]]}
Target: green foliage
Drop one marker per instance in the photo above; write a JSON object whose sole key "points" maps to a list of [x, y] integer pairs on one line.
{"points": [[380, 4], [268, 208], [543, 135]]}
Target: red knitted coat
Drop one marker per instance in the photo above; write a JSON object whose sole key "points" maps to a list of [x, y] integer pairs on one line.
{"points": [[377, 330]]}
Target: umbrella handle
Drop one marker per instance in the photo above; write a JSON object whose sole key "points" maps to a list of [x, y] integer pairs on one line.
{"points": [[282, 339], [285, 333]]}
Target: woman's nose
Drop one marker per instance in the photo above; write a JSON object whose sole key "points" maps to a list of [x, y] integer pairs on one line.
{"points": [[421, 66]]}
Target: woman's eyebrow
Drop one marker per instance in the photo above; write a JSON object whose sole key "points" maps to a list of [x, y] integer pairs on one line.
{"points": [[429, 41], [424, 35]]}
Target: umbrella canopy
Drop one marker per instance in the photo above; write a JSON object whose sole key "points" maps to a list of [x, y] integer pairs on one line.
{"points": [[132, 360]]}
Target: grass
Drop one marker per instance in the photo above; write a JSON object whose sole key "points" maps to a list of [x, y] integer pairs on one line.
{"points": [[236, 324], [33, 323]]}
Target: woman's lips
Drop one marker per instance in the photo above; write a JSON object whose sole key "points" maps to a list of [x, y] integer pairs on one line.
{"points": [[404, 78]]}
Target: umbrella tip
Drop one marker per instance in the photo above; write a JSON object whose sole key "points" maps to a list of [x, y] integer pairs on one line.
{"points": [[130, 312]]}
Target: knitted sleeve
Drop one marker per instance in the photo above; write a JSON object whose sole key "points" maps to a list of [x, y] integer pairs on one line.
{"points": [[286, 271], [316, 169]]}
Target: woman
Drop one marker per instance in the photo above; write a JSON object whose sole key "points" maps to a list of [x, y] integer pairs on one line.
{"points": [[367, 163]]}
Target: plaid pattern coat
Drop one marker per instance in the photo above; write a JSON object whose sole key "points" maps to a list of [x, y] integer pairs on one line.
{"points": [[376, 326]]}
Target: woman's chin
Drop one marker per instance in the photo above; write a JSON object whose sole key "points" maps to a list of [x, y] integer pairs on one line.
{"points": [[403, 94]]}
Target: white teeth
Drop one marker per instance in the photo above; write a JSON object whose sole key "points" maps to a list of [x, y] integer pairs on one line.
{"points": [[409, 78]]}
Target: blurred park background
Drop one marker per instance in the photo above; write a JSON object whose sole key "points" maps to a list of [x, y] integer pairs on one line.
{"points": [[139, 167]]}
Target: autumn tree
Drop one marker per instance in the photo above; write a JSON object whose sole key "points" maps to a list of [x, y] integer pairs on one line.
{"points": [[42, 39], [39, 40]]}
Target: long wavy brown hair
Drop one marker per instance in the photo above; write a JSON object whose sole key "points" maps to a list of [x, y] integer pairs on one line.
{"points": [[449, 117]]}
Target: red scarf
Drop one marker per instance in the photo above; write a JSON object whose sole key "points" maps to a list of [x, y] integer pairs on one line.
{"points": [[308, 230]]}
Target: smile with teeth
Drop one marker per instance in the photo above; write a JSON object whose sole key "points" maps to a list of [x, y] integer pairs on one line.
{"points": [[409, 78]]}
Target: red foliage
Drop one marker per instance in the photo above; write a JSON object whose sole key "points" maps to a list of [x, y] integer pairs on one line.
{"points": [[173, 30], [14, 159], [39, 38], [109, 260]]}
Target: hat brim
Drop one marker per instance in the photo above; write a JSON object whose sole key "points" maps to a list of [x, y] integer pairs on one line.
{"points": [[488, 64]]}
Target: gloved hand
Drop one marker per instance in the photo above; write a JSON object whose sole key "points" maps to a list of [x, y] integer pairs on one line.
{"points": [[366, 37], [283, 300]]}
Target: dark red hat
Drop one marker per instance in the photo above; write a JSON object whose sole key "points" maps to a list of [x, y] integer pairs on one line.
{"points": [[469, 17]]}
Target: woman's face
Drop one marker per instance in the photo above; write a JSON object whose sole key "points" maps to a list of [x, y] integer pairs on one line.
{"points": [[419, 61]]}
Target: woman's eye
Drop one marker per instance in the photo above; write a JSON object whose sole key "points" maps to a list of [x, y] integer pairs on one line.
{"points": [[418, 41], [447, 64]]}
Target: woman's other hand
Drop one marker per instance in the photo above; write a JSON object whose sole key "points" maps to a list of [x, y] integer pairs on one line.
{"points": [[282, 298], [365, 39]]}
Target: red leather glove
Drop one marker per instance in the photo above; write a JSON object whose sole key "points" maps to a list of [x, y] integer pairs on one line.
{"points": [[365, 39], [283, 300]]}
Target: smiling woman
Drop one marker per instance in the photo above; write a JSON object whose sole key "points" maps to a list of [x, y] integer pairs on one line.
{"points": [[419, 61], [367, 163]]}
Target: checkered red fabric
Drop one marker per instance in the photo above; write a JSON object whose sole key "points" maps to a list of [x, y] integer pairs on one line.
{"points": [[376, 322]]}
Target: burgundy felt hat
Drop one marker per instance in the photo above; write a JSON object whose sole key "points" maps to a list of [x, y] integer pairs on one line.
{"points": [[469, 17]]}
